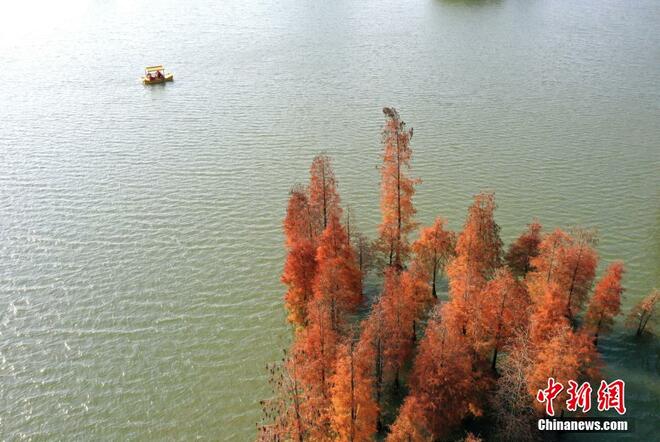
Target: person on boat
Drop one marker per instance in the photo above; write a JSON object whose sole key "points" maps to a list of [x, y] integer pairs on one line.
{"points": [[159, 74], [149, 76]]}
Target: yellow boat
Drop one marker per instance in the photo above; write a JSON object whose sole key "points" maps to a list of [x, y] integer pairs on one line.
{"points": [[155, 75]]}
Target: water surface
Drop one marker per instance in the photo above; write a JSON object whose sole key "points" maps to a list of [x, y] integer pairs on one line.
{"points": [[140, 227]]}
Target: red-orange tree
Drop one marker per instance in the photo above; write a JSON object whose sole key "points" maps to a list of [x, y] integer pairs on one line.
{"points": [[643, 314], [412, 423], [323, 196], [283, 416], [300, 265], [433, 250], [315, 348], [415, 293], [371, 346], [333, 388], [548, 315], [399, 315], [397, 190], [568, 355], [568, 262], [354, 408], [388, 335], [578, 269], [338, 281], [606, 302], [523, 249], [441, 389], [511, 405], [546, 263], [478, 255], [505, 310]]}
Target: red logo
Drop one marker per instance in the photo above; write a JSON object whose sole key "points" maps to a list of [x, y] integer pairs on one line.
{"points": [[610, 396], [549, 394], [578, 397]]}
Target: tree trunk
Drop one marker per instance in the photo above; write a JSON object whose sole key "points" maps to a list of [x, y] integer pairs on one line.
{"points": [[435, 274], [570, 292]]}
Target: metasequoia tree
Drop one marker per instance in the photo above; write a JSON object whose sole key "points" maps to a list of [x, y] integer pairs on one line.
{"points": [[548, 315], [568, 355], [511, 405], [433, 250], [505, 310], [316, 348], [298, 225], [338, 281], [387, 336], [399, 314], [442, 386], [606, 301], [523, 249], [470, 437], [283, 417], [478, 252], [362, 246], [544, 265], [642, 315], [411, 424], [415, 293], [569, 263], [578, 269], [371, 347], [300, 264], [323, 196], [354, 408], [397, 190], [332, 387]]}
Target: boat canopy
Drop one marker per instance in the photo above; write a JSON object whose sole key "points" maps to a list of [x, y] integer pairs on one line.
{"points": [[153, 68]]}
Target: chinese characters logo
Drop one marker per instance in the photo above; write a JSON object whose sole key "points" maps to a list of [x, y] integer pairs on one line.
{"points": [[610, 396]]}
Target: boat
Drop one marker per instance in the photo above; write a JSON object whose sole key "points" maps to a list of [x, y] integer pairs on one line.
{"points": [[156, 75]]}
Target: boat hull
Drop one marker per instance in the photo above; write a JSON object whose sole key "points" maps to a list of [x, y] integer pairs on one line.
{"points": [[168, 77]]}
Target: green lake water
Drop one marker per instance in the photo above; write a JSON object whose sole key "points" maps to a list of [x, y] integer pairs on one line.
{"points": [[140, 227]]}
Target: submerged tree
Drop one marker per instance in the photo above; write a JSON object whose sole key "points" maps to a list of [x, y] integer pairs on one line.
{"points": [[338, 281], [568, 264], [412, 423], [511, 405], [323, 196], [523, 250], [578, 269], [505, 310], [316, 350], [548, 315], [372, 345], [433, 249], [643, 314], [568, 355], [442, 387], [283, 417], [478, 255], [399, 314], [300, 265], [397, 190], [387, 337], [606, 302], [355, 411], [503, 332], [545, 264]]}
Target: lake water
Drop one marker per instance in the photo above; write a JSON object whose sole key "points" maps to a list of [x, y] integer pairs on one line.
{"points": [[140, 227]]}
